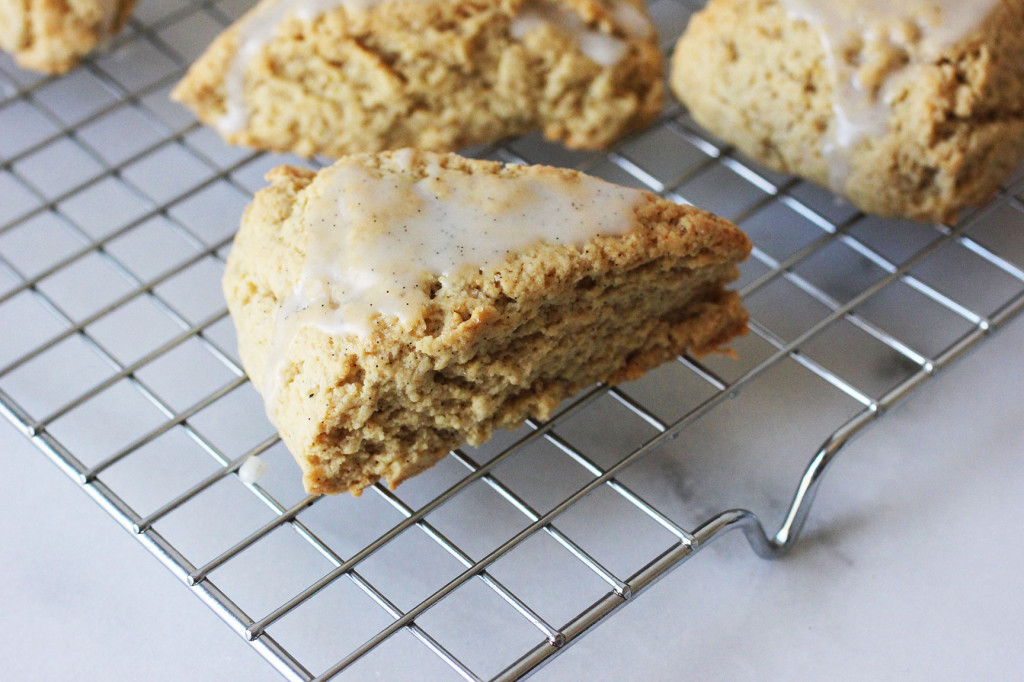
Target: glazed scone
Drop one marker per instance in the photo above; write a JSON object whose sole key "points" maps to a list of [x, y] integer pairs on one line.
{"points": [[335, 77], [912, 109], [397, 305], [51, 36]]}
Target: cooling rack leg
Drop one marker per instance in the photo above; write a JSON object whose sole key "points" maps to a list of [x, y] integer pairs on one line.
{"points": [[799, 508], [803, 498]]}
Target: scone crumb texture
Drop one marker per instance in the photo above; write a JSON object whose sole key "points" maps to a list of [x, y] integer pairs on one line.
{"points": [[336, 77], [908, 109], [397, 305]]}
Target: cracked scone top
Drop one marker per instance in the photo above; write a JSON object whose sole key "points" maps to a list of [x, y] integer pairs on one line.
{"points": [[51, 36], [342, 76], [912, 109], [523, 285]]}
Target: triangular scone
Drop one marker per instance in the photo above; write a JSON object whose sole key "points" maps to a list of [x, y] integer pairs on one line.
{"points": [[335, 77], [51, 36], [397, 305]]}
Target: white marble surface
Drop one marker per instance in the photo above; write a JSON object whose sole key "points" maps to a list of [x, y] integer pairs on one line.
{"points": [[83, 600], [909, 571]]}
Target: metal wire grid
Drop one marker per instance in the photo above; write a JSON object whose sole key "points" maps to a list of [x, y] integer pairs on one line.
{"points": [[117, 210]]}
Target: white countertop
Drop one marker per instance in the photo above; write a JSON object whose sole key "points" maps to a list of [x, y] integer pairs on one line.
{"points": [[910, 570]]}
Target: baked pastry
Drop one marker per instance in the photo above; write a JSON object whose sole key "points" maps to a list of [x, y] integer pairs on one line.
{"points": [[397, 305], [334, 77], [911, 109], [53, 35]]}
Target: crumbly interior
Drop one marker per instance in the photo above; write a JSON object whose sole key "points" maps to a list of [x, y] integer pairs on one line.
{"points": [[505, 343], [51, 36], [757, 78], [430, 75]]}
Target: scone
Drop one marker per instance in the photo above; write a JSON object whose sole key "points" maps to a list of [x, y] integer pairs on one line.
{"points": [[397, 305], [53, 35], [339, 77], [912, 109]]}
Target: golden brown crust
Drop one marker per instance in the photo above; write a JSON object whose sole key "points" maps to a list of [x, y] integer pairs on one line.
{"points": [[51, 36], [506, 343], [430, 75], [757, 78]]}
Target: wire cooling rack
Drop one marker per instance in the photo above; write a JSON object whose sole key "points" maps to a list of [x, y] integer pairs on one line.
{"points": [[118, 361]]}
